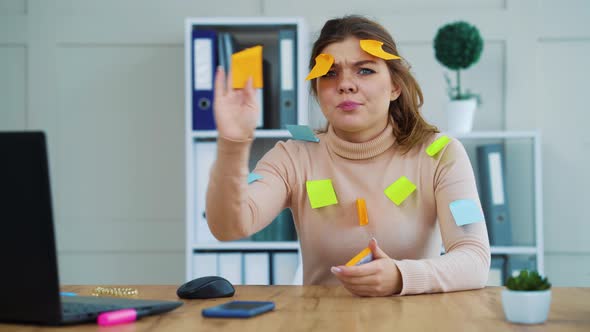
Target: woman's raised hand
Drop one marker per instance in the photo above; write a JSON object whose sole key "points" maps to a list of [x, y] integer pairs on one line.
{"points": [[236, 110]]}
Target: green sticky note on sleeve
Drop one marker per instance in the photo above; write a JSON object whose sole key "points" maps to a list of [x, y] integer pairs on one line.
{"points": [[437, 145], [466, 211], [400, 190], [321, 193]]}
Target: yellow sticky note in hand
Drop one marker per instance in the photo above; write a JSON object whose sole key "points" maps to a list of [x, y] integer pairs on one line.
{"points": [[246, 64], [362, 257], [437, 145], [321, 193], [375, 48], [323, 63], [400, 190]]}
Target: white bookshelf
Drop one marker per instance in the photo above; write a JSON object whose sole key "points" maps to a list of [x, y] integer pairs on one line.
{"points": [[195, 204], [534, 138]]}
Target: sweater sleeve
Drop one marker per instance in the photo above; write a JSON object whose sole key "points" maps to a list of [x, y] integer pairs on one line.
{"points": [[466, 263], [236, 209]]}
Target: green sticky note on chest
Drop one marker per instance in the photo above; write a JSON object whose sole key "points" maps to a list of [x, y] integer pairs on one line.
{"points": [[400, 190], [321, 193]]}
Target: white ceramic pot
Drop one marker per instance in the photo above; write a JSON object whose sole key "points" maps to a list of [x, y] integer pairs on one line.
{"points": [[460, 115], [526, 307]]}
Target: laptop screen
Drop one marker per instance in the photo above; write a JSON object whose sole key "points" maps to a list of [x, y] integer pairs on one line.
{"points": [[29, 279]]}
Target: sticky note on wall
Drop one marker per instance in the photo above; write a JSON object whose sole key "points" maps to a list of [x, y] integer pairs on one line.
{"points": [[437, 145], [361, 209], [400, 190], [246, 64], [362, 257], [466, 211], [321, 193]]}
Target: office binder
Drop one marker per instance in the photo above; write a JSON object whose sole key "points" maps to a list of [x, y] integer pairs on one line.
{"points": [[494, 201], [204, 64], [498, 270], [284, 267], [230, 266], [282, 228], [256, 268], [204, 157], [288, 70], [204, 264], [222, 59]]}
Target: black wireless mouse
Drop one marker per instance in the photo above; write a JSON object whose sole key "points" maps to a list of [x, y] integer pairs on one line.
{"points": [[206, 288]]}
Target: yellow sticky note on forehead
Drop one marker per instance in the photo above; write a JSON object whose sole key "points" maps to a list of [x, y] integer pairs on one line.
{"points": [[321, 193], [437, 145], [246, 64], [375, 48], [323, 63], [400, 190]]}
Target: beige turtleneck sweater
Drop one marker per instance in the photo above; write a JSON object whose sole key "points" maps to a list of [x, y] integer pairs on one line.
{"points": [[411, 233]]}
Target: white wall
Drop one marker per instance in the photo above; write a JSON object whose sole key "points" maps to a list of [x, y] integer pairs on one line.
{"points": [[105, 80]]}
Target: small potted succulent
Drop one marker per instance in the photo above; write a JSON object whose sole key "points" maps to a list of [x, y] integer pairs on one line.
{"points": [[458, 46], [527, 298]]}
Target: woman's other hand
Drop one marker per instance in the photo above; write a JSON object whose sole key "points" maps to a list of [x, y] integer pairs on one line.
{"points": [[380, 277], [236, 110]]}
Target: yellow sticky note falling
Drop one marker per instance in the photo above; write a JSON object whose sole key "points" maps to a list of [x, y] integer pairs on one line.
{"points": [[400, 190], [437, 145], [246, 64], [361, 209], [321, 193], [323, 63], [375, 48]]}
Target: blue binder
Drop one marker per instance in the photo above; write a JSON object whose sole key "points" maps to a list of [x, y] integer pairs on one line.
{"points": [[494, 201], [204, 55], [288, 78]]}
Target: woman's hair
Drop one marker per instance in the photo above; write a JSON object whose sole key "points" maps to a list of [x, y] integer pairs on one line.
{"points": [[409, 127]]}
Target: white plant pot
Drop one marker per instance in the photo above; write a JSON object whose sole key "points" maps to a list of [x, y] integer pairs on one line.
{"points": [[526, 307], [460, 115]]}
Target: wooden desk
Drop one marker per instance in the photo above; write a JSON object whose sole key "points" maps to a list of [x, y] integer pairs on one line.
{"points": [[322, 308]]}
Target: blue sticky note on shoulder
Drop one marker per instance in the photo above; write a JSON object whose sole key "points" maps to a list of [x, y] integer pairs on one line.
{"points": [[303, 133], [253, 177], [466, 211]]}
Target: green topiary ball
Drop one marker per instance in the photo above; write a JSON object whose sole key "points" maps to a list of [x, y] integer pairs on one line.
{"points": [[458, 45]]}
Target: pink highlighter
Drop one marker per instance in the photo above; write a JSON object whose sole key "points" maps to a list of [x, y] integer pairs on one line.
{"points": [[118, 317]]}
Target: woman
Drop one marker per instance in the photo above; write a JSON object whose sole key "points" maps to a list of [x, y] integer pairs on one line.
{"points": [[375, 136]]}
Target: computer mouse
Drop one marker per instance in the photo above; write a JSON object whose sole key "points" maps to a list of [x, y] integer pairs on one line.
{"points": [[206, 288]]}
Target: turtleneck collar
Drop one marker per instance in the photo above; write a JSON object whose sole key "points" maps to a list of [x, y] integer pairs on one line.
{"points": [[365, 150]]}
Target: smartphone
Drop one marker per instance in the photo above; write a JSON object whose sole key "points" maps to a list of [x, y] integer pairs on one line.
{"points": [[239, 309]]}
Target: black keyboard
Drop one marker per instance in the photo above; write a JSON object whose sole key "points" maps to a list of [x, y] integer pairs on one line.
{"points": [[86, 308]]}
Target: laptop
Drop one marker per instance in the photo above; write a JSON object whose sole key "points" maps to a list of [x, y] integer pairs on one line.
{"points": [[29, 275]]}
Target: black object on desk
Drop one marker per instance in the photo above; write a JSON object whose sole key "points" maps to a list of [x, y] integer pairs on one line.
{"points": [[206, 288]]}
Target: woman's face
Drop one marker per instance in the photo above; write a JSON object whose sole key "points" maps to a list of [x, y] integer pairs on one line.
{"points": [[355, 94]]}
